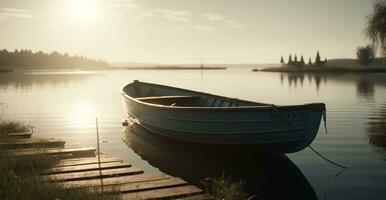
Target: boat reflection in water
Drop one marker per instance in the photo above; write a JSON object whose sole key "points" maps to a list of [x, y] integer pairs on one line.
{"points": [[266, 176]]}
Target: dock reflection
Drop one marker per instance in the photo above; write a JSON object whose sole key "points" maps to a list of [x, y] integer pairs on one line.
{"points": [[376, 128], [266, 176]]}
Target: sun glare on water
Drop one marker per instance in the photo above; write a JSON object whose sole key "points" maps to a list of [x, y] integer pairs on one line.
{"points": [[82, 113], [82, 11]]}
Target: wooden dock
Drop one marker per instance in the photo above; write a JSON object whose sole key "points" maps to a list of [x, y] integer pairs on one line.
{"points": [[80, 167]]}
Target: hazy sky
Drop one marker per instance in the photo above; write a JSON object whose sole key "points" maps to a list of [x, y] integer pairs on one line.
{"points": [[184, 31]]}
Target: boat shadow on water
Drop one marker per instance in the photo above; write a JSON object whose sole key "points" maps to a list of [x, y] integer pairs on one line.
{"points": [[266, 176]]}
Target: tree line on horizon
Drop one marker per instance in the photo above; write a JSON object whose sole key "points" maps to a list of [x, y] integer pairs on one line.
{"points": [[28, 59], [300, 63]]}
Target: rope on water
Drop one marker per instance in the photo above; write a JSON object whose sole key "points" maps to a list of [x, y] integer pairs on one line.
{"points": [[314, 150], [326, 159], [319, 154]]}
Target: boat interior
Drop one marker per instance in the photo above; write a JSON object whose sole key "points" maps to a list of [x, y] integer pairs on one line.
{"points": [[169, 96]]}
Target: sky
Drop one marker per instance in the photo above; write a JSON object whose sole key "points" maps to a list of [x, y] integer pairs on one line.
{"points": [[186, 31]]}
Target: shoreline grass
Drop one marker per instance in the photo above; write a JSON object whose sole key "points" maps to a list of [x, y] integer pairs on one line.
{"points": [[21, 180], [9, 126], [6, 70], [21, 175]]}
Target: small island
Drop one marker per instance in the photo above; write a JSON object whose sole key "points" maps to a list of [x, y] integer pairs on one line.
{"points": [[334, 65]]}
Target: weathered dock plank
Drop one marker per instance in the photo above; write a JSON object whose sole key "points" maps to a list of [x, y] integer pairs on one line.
{"points": [[31, 142], [92, 174], [198, 197], [79, 168], [116, 180], [53, 151], [20, 135], [87, 161], [141, 186], [174, 192]]}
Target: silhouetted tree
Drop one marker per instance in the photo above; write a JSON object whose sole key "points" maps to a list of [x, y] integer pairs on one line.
{"points": [[376, 25], [317, 59], [365, 55], [290, 59], [302, 63]]}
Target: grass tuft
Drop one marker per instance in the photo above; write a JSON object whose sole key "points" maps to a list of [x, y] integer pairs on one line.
{"points": [[223, 188], [8, 126]]}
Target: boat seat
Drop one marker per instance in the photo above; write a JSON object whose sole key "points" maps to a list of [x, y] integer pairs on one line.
{"points": [[170, 100], [226, 104], [165, 97], [213, 103]]}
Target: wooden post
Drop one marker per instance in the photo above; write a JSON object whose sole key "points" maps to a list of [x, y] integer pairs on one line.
{"points": [[97, 132], [98, 154]]}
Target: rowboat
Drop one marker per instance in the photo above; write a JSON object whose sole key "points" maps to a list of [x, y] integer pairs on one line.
{"points": [[207, 119]]}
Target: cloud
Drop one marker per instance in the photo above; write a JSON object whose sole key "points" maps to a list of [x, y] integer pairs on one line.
{"points": [[175, 15], [212, 17], [6, 13], [13, 10], [125, 4], [206, 28], [234, 24], [121, 8], [177, 28], [216, 17], [142, 15]]}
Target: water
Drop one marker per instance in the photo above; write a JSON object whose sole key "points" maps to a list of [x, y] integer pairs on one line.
{"points": [[64, 104]]}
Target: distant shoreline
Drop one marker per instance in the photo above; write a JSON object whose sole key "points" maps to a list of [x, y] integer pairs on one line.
{"points": [[333, 66], [6, 70], [168, 68]]}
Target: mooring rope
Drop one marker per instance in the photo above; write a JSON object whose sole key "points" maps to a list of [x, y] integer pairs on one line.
{"points": [[326, 159], [309, 146]]}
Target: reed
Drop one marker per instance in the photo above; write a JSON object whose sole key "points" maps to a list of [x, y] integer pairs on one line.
{"points": [[225, 188], [9, 126]]}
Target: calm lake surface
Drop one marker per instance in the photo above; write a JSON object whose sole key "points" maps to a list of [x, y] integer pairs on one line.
{"points": [[64, 104]]}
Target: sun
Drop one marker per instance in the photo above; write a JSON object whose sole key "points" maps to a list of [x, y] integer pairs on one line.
{"points": [[82, 11]]}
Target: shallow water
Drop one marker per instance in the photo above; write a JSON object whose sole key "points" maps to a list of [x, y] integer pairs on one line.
{"points": [[64, 104]]}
